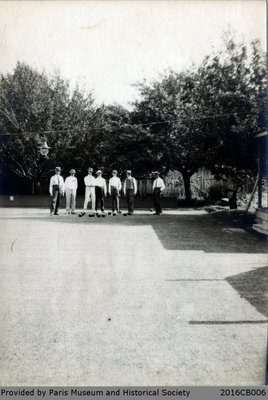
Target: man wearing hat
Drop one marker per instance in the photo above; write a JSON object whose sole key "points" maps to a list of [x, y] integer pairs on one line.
{"points": [[100, 190], [158, 187], [89, 190], [130, 190], [70, 190], [56, 190], [114, 188]]}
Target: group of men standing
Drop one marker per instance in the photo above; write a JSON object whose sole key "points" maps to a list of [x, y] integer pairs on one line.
{"points": [[96, 189]]}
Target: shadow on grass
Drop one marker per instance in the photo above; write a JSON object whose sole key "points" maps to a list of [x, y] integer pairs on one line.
{"points": [[176, 232], [253, 286]]}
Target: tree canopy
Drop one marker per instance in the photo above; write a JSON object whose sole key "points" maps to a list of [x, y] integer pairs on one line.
{"points": [[32, 105], [207, 116], [204, 116]]}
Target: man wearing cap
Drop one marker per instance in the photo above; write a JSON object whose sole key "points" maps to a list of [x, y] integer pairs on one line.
{"points": [[70, 190], [114, 188], [56, 190], [89, 190], [158, 187], [100, 190], [130, 190]]}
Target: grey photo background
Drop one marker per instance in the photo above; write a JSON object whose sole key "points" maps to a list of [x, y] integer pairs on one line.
{"points": [[113, 85], [173, 300], [109, 45]]}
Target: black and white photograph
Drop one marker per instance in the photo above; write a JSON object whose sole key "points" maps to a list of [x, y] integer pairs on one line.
{"points": [[133, 193]]}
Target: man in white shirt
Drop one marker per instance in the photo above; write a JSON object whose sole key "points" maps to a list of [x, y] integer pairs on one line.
{"points": [[114, 190], [70, 190], [158, 187], [100, 190], [130, 190], [89, 190], [56, 190]]}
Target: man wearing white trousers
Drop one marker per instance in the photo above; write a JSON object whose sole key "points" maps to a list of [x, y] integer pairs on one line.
{"points": [[90, 183], [70, 190]]}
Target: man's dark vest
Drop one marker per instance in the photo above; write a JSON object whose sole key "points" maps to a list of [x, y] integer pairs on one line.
{"points": [[129, 183]]}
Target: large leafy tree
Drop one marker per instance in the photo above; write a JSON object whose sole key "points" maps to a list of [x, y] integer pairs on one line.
{"points": [[25, 109], [207, 116], [32, 106], [232, 103], [116, 142], [167, 108], [72, 145]]}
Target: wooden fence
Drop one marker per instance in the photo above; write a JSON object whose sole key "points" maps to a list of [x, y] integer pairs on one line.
{"points": [[200, 184]]}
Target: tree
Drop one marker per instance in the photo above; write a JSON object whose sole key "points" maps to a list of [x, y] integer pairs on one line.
{"points": [[168, 107], [73, 141], [207, 116], [232, 89], [32, 106], [118, 143]]}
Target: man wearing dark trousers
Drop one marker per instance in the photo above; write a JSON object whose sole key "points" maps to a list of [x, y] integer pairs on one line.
{"points": [[130, 190], [100, 190], [114, 190], [56, 190], [158, 187]]}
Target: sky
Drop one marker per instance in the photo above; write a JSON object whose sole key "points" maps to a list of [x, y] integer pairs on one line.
{"points": [[107, 46]]}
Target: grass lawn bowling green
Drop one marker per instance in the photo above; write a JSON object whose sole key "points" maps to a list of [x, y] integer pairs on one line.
{"points": [[176, 299]]}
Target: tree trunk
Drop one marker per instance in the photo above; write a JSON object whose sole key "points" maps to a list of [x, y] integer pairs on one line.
{"points": [[38, 184], [36, 187], [187, 187]]}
